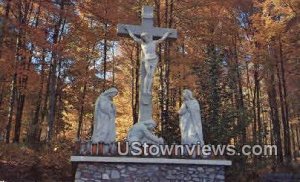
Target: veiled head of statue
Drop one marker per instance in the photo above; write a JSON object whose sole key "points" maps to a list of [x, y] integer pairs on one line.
{"points": [[187, 94], [111, 92]]}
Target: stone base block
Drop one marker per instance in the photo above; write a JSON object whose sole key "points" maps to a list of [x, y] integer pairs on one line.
{"points": [[148, 169]]}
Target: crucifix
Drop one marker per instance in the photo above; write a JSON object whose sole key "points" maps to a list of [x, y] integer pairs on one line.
{"points": [[148, 37]]}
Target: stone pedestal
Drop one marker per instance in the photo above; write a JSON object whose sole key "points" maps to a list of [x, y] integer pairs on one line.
{"points": [[125, 169]]}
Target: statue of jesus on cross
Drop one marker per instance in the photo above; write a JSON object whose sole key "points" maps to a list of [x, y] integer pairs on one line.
{"points": [[148, 36], [149, 55]]}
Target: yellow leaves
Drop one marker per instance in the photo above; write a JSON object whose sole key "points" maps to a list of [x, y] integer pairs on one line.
{"points": [[273, 19]]}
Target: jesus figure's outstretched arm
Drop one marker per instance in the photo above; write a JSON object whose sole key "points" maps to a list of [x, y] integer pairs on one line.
{"points": [[133, 36], [163, 38]]}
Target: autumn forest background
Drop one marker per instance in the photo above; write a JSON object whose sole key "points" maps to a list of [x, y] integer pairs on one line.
{"points": [[239, 57]]}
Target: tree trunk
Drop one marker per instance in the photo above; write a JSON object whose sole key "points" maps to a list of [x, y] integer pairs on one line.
{"points": [[259, 122], [20, 106], [23, 80], [294, 142], [298, 138], [272, 95], [239, 91], [166, 77], [137, 76], [34, 125], [82, 102], [52, 99], [13, 89], [1, 98], [105, 56], [34, 130], [59, 92], [11, 104], [53, 78], [214, 78], [284, 105], [255, 105], [45, 110]]}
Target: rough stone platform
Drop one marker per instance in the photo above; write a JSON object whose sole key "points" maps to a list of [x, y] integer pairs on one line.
{"points": [[129, 169]]}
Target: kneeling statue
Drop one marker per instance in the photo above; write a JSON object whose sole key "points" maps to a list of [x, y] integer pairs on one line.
{"points": [[143, 132]]}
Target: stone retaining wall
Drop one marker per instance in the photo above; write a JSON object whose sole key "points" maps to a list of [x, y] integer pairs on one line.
{"points": [[139, 172]]}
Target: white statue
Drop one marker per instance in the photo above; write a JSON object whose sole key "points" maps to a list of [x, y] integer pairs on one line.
{"points": [[143, 132], [190, 120], [104, 118], [149, 56]]}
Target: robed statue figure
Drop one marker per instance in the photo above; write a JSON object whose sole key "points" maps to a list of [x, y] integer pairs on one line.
{"points": [[104, 118], [190, 120]]}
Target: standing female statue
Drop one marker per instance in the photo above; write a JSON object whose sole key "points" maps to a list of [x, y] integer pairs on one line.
{"points": [[104, 118], [190, 120]]}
